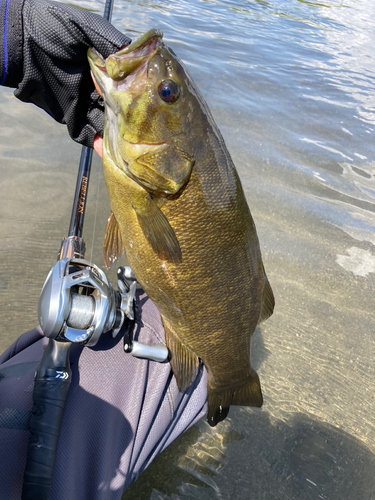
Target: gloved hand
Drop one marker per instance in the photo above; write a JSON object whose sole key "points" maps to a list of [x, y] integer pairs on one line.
{"points": [[54, 67]]}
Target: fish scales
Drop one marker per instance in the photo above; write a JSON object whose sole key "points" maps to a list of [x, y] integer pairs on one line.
{"points": [[184, 222]]}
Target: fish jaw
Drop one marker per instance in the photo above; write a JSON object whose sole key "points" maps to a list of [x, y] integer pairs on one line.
{"points": [[99, 72], [127, 60], [125, 70]]}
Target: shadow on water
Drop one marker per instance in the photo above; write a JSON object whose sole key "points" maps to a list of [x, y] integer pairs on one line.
{"points": [[301, 458]]}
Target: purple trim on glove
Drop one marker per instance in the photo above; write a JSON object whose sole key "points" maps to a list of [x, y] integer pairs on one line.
{"points": [[5, 42]]}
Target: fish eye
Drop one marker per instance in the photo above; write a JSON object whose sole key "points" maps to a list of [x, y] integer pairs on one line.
{"points": [[169, 91]]}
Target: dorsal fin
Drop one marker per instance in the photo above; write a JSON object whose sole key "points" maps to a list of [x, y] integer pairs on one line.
{"points": [[113, 247], [268, 303]]}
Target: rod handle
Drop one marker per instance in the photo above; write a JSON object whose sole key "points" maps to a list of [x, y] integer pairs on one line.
{"points": [[51, 387]]}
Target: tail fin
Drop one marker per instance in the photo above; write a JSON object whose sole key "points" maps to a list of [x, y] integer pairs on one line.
{"points": [[249, 394], [218, 405], [219, 401]]}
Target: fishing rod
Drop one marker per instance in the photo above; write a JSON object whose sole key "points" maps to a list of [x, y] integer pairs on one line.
{"points": [[77, 304]]}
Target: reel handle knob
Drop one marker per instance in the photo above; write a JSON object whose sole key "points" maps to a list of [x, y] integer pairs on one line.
{"points": [[157, 352]]}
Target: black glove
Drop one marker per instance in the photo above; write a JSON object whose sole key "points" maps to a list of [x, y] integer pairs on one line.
{"points": [[54, 72]]}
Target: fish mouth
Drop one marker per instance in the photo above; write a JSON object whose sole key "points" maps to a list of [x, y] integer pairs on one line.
{"points": [[126, 69], [127, 60]]}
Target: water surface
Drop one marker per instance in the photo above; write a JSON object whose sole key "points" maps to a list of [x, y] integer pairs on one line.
{"points": [[291, 86]]}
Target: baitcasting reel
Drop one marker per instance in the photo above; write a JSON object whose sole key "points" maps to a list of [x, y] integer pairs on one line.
{"points": [[78, 303]]}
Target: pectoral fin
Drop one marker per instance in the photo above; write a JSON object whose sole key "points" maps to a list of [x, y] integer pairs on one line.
{"points": [[158, 231], [184, 362], [164, 169], [113, 247]]}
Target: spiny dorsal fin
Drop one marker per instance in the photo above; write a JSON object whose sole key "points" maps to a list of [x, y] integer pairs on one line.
{"points": [[268, 302], [158, 231], [184, 362], [113, 247]]}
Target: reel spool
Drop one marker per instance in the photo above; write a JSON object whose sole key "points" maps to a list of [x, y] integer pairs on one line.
{"points": [[78, 304]]}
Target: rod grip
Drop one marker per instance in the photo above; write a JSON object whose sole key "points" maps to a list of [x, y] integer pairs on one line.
{"points": [[51, 389]]}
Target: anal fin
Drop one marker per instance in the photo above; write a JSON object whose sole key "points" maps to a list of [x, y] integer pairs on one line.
{"points": [[184, 362], [112, 247]]}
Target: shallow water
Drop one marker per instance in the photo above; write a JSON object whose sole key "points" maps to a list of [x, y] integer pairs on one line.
{"points": [[291, 86]]}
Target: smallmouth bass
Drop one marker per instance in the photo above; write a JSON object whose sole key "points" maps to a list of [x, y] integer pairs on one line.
{"points": [[180, 214]]}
